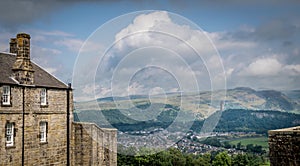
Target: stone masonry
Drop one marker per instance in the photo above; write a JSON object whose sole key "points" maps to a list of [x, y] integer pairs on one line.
{"points": [[80, 144], [93, 145], [35, 152], [284, 146]]}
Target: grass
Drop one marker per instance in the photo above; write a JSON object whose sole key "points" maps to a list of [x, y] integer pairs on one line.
{"points": [[262, 141]]}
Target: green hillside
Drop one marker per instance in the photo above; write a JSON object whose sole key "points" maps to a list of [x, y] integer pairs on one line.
{"points": [[202, 102], [246, 110], [238, 120]]}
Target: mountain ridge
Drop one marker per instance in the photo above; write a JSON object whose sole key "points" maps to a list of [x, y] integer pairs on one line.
{"points": [[252, 109], [200, 102]]}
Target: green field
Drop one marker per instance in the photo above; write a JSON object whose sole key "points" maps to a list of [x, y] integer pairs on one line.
{"points": [[262, 141]]}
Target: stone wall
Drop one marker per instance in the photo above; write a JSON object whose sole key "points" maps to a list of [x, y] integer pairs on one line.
{"points": [[54, 151], [89, 144], [92, 145], [12, 114], [11, 155], [284, 146]]}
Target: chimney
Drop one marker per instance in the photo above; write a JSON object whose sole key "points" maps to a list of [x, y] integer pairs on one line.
{"points": [[23, 70], [13, 47]]}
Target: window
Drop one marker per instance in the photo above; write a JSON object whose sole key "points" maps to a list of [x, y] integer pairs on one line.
{"points": [[43, 96], [9, 134], [43, 131], [6, 95]]}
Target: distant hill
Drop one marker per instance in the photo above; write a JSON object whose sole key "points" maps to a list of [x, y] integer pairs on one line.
{"points": [[248, 98], [258, 121], [246, 109], [200, 102], [236, 120], [276, 99]]}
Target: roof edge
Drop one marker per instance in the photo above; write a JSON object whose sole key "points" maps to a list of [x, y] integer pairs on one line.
{"points": [[50, 74], [1, 52]]}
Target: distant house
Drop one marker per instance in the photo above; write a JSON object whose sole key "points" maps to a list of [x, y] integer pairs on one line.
{"points": [[36, 117]]}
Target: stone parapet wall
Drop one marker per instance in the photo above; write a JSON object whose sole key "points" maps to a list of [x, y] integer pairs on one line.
{"points": [[92, 145], [284, 146]]}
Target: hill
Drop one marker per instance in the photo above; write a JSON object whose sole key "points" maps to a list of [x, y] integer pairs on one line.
{"points": [[232, 120], [245, 110], [201, 103]]}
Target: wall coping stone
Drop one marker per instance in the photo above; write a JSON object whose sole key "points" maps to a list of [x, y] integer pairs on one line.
{"points": [[285, 131]]}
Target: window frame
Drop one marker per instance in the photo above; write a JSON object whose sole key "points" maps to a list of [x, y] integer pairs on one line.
{"points": [[9, 134], [6, 95], [43, 97], [43, 131]]}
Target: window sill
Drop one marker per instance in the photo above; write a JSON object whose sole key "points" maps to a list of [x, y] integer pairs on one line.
{"points": [[44, 105], [10, 146], [43, 143], [6, 105]]}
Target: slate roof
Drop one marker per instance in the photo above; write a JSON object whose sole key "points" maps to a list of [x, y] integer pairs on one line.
{"points": [[41, 77]]}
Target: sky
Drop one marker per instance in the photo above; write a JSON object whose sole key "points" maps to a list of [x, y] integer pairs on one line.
{"points": [[151, 47]]}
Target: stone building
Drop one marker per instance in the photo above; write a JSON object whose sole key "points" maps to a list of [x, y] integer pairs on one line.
{"points": [[36, 122], [284, 146]]}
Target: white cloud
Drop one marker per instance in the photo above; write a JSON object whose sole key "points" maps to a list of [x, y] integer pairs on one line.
{"points": [[90, 92], [156, 90], [292, 69], [223, 42], [88, 89], [159, 29], [142, 23], [174, 90], [72, 44], [39, 52], [54, 33], [229, 72], [104, 91], [242, 55], [42, 37], [181, 49], [76, 45], [263, 67], [268, 72], [135, 88]]}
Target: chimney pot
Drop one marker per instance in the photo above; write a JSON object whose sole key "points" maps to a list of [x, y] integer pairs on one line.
{"points": [[13, 47], [23, 70]]}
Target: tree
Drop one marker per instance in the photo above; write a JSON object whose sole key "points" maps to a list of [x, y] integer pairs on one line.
{"points": [[238, 146], [162, 158], [212, 141], [189, 160], [227, 145], [255, 160], [249, 147], [144, 156], [240, 160], [177, 157], [258, 149], [222, 159], [203, 160], [126, 155]]}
